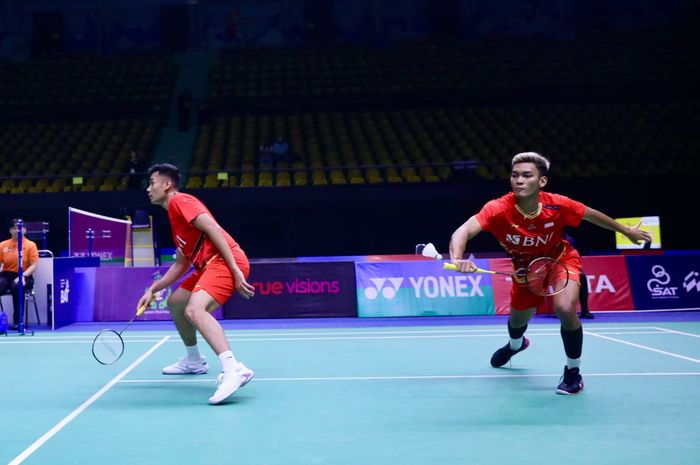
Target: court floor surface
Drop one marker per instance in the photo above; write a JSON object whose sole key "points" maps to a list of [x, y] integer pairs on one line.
{"points": [[399, 391]]}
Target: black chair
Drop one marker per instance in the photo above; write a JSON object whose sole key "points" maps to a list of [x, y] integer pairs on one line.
{"points": [[29, 296]]}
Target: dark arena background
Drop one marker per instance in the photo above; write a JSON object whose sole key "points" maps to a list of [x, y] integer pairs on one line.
{"points": [[333, 139]]}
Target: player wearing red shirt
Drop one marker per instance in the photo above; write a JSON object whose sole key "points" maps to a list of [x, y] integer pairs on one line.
{"points": [[221, 267], [529, 223]]}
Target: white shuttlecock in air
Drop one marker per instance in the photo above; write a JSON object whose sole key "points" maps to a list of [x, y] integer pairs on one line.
{"points": [[430, 251]]}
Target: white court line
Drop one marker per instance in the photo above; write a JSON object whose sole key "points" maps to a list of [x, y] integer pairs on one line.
{"points": [[147, 339], [665, 330], [61, 424], [237, 333], [391, 378], [640, 346]]}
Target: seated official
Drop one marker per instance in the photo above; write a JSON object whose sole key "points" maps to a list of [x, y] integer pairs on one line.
{"points": [[9, 269]]}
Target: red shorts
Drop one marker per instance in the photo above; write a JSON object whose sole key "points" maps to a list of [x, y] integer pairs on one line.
{"points": [[216, 278], [520, 296]]}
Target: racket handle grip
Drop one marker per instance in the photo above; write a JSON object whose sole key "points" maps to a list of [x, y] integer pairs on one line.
{"points": [[140, 310], [450, 266]]}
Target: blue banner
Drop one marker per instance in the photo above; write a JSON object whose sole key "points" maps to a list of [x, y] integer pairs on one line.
{"points": [[72, 289], [665, 281], [421, 288]]}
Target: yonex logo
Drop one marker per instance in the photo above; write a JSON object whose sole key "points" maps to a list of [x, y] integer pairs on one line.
{"points": [[388, 291], [430, 287]]}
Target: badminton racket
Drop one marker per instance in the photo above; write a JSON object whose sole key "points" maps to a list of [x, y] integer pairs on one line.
{"points": [[108, 345], [544, 276]]}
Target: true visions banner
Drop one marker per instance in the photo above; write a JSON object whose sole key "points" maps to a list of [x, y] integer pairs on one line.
{"points": [[294, 290], [421, 288]]}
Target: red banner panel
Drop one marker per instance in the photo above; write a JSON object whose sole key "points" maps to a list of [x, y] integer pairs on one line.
{"points": [[608, 284]]}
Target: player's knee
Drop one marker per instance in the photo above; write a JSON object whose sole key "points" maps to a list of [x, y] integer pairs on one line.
{"points": [[175, 304], [192, 312], [567, 314]]}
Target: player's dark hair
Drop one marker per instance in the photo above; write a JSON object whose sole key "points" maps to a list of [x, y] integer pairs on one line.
{"points": [[539, 161], [166, 169], [14, 221]]}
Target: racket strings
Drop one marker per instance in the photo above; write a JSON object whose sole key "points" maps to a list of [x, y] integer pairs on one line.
{"points": [[547, 277], [107, 347]]}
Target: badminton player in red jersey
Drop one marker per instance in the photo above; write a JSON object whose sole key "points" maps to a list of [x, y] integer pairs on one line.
{"points": [[529, 223], [220, 266]]}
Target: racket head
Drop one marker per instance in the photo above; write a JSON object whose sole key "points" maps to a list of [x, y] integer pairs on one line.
{"points": [[546, 276], [107, 347]]}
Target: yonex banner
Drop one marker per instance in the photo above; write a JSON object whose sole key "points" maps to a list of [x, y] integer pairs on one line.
{"points": [[292, 290], [421, 288], [665, 281]]}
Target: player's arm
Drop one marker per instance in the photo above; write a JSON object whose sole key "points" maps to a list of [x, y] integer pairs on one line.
{"points": [[33, 262], [604, 221], [458, 243], [175, 272], [208, 226]]}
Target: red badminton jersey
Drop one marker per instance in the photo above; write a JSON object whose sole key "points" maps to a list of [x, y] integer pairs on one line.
{"points": [[182, 210], [527, 237]]}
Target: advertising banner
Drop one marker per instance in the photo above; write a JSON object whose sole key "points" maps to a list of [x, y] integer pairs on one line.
{"points": [[421, 288], [608, 284], [501, 284], [99, 236], [651, 224], [297, 289], [117, 291], [665, 281], [71, 290]]}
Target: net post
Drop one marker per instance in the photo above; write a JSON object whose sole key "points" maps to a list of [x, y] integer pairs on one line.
{"points": [[20, 278]]}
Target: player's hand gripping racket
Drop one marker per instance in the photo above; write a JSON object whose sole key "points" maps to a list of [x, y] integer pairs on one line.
{"points": [[544, 276], [108, 345]]}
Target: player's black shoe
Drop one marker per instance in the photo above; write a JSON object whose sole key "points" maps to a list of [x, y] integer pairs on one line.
{"points": [[571, 382], [587, 314], [503, 355]]}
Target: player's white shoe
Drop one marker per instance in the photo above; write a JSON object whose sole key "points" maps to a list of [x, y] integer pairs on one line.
{"points": [[230, 382], [186, 366]]}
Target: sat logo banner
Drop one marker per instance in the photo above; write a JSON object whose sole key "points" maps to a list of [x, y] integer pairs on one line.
{"points": [[665, 281], [421, 288]]}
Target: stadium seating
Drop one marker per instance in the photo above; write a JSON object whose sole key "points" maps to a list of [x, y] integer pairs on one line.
{"points": [[51, 154]]}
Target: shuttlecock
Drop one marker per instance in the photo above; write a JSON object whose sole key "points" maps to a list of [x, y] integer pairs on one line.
{"points": [[430, 251]]}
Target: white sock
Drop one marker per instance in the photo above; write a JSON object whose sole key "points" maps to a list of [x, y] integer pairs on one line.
{"points": [[193, 353], [516, 344], [573, 362], [228, 361]]}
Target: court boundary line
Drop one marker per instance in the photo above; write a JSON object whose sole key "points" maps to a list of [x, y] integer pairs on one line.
{"points": [[71, 416], [409, 377], [674, 331], [147, 339], [640, 346]]}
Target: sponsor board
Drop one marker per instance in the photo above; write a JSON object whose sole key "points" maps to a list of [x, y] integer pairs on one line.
{"points": [[421, 288]]}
